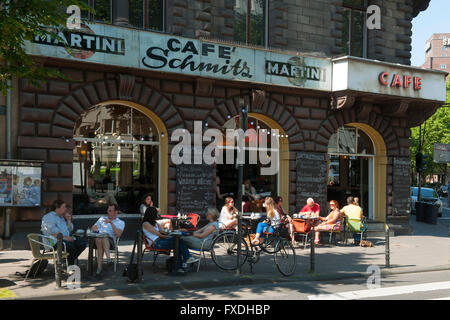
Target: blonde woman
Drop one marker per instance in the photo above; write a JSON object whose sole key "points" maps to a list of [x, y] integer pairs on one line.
{"points": [[273, 220]]}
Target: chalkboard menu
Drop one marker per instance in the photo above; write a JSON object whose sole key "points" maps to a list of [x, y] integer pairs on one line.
{"points": [[195, 188], [401, 193], [311, 179]]}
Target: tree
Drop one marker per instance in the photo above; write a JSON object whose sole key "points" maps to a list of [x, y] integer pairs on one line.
{"points": [[437, 131], [22, 20]]}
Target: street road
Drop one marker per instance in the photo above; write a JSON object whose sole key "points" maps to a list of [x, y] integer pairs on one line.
{"points": [[419, 286]]}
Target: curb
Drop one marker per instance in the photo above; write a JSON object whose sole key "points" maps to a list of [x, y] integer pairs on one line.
{"points": [[130, 289]]}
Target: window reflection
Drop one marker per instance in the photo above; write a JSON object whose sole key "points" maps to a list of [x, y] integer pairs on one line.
{"points": [[116, 159], [250, 21]]}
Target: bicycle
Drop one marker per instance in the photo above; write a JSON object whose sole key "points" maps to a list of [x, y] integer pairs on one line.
{"points": [[225, 246]]}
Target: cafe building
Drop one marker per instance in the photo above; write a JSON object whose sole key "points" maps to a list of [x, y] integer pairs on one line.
{"points": [[105, 132]]}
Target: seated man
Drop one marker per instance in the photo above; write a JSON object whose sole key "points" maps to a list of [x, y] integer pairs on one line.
{"points": [[111, 225], [60, 221], [310, 208], [353, 211]]}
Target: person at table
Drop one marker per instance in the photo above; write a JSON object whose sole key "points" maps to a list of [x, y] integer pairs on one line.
{"points": [[273, 220], [353, 211], [60, 221], [152, 232], [206, 234], [113, 226], [147, 202], [331, 222], [285, 217], [250, 191], [356, 201], [311, 208], [94, 200], [228, 215], [219, 196]]}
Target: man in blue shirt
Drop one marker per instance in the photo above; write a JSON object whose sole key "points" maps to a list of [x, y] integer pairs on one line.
{"points": [[59, 221]]}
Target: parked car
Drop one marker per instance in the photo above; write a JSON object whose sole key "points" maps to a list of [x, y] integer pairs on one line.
{"points": [[427, 195], [443, 192]]}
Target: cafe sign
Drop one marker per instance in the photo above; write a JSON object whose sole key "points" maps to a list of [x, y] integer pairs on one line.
{"points": [[125, 47]]}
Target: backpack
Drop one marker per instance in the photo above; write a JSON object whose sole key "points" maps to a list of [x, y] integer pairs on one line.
{"points": [[37, 268], [131, 270]]}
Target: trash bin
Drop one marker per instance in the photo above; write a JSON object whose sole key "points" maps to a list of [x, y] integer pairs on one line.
{"points": [[420, 211], [431, 213]]}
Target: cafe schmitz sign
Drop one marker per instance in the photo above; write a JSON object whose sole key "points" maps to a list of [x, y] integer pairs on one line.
{"points": [[119, 46], [112, 45]]}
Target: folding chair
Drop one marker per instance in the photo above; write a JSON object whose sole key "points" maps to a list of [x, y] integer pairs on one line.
{"points": [[357, 226], [36, 243], [301, 228], [150, 247], [115, 249]]}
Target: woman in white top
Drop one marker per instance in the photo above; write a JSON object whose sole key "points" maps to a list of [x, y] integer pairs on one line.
{"points": [[151, 229], [273, 220], [228, 215]]}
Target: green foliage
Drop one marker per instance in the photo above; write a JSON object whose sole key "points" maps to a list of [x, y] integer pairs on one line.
{"points": [[20, 21], [437, 131]]}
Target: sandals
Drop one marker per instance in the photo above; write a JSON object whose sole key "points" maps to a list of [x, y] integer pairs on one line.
{"points": [[316, 241]]}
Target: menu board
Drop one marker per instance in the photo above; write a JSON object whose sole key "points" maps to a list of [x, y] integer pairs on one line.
{"points": [[311, 179], [20, 185], [401, 178], [195, 188]]}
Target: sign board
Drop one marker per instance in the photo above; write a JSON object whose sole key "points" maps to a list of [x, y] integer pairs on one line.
{"points": [[20, 184], [195, 188], [126, 47], [441, 153], [311, 180], [401, 177], [363, 75]]}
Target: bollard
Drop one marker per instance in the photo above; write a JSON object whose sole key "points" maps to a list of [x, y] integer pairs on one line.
{"points": [[59, 245], [386, 245], [139, 256], [312, 257]]}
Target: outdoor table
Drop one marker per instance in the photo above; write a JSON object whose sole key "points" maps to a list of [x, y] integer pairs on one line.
{"points": [[91, 240], [176, 252], [253, 219]]}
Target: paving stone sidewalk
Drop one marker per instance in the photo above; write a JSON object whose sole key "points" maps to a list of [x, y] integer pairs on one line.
{"points": [[427, 250]]}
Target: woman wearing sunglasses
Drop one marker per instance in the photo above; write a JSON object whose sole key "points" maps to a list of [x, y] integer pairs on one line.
{"points": [[331, 222]]}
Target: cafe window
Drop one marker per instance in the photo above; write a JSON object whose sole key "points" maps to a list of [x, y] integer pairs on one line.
{"points": [[250, 21], [354, 35], [116, 160], [265, 185], [349, 141], [102, 8], [147, 14]]}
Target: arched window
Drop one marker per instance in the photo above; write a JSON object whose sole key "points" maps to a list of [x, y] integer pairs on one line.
{"points": [[116, 159]]}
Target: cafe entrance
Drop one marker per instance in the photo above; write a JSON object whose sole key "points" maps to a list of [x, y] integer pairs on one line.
{"points": [[351, 155]]}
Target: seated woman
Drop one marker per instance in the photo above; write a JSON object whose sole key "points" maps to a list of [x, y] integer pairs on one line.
{"points": [[331, 222], [273, 220], [151, 229], [228, 215], [205, 234], [284, 216], [147, 203]]}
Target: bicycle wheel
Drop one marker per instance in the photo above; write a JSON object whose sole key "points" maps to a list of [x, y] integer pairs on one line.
{"points": [[224, 251], [284, 257], [269, 244]]}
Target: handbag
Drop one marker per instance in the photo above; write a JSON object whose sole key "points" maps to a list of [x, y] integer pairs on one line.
{"points": [[131, 269]]}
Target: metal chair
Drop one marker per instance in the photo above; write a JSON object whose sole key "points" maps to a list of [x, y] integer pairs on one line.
{"points": [[302, 229], [150, 247], [115, 250], [36, 245], [357, 226]]}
